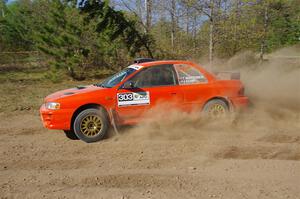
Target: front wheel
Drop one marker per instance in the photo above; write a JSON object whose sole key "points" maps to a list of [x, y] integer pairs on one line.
{"points": [[216, 108], [71, 135], [91, 125]]}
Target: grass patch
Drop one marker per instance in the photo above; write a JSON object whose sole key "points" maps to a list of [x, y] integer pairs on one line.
{"points": [[24, 88], [29, 95]]}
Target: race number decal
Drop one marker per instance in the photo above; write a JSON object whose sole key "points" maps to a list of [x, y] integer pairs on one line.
{"points": [[131, 99]]}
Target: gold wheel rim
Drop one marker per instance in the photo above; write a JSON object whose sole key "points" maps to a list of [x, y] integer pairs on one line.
{"points": [[91, 125], [217, 110]]}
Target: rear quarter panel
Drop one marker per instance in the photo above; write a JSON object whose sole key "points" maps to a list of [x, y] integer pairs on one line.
{"points": [[229, 88]]}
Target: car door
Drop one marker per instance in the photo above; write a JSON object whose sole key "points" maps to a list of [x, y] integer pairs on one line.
{"points": [[194, 85], [152, 87]]}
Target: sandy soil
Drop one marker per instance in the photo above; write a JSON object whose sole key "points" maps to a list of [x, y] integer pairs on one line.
{"points": [[255, 154], [38, 163]]}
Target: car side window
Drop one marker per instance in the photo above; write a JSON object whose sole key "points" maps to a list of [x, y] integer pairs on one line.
{"points": [[188, 74], [162, 75]]}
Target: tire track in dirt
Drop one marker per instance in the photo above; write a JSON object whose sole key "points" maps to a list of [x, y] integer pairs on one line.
{"points": [[259, 152]]}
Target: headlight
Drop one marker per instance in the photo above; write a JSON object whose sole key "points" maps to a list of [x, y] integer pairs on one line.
{"points": [[53, 105]]}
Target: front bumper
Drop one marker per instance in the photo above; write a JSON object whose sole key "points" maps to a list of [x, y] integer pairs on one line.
{"points": [[56, 119]]}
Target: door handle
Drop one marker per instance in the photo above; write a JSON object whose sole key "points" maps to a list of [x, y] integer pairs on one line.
{"points": [[173, 93]]}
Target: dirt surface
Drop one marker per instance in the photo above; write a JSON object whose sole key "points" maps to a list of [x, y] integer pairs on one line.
{"points": [[255, 154], [215, 163]]}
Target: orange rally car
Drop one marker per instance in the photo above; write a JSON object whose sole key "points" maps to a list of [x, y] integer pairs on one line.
{"points": [[86, 112]]}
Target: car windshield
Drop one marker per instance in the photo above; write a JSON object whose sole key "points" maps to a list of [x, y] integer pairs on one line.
{"points": [[116, 79]]}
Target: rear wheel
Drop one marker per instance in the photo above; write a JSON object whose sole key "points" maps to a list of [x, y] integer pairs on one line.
{"points": [[91, 125], [216, 108]]}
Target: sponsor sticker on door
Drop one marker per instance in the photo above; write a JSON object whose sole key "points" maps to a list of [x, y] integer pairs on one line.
{"points": [[132, 99]]}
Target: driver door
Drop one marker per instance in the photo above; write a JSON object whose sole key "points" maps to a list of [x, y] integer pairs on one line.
{"points": [[151, 87]]}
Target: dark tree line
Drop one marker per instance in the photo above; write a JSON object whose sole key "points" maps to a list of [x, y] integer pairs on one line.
{"points": [[78, 37]]}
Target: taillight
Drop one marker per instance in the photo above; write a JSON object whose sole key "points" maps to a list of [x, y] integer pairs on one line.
{"points": [[241, 91]]}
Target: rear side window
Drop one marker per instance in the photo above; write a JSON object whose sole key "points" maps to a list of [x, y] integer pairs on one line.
{"points": [[187, 74], [162, 75]]}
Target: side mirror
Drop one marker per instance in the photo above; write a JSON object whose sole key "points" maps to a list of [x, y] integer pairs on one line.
{"points": [[128, 85]]}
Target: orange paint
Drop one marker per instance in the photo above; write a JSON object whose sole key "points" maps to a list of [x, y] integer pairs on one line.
{"points": [[186, 94]]}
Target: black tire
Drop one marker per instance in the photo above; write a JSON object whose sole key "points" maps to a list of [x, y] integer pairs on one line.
{"points": [[216, 108], [70, 134], [91, 125]]}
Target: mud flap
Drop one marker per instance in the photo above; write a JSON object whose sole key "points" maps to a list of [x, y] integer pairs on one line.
{"points": [[113, 121]]}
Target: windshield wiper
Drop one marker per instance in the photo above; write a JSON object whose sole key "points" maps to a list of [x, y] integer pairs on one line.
{"points": [[100, 85]]}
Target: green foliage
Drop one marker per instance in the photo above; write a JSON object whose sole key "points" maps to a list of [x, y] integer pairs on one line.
{"points": [[243, 29], [284, 24], [61, 38], [15, 25], [79, 40], [115, 25], [184, 47]]}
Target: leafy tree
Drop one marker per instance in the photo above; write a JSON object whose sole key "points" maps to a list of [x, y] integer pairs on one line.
{"points": [[61, 37], [76, 38], [80, 37], [284, 24], [115, 24], [3, 10], [15, 25]]}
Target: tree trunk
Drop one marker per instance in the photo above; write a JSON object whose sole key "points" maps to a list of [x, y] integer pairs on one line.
{"points": [[211, 42], [148, 6], [187, 19], [139, 9], [211, 34], [236, 23], [263, 44], [2, 5], [173, 19], [195, 33]]}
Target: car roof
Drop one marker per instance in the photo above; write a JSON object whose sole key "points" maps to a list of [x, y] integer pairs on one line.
{"points": [[153, 63]]}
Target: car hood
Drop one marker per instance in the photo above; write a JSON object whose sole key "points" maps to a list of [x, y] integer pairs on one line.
{"points": [[72, 91]]}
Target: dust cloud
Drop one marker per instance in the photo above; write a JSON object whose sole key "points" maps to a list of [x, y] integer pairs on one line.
{"points": [[273, 87], [249, 154]]}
